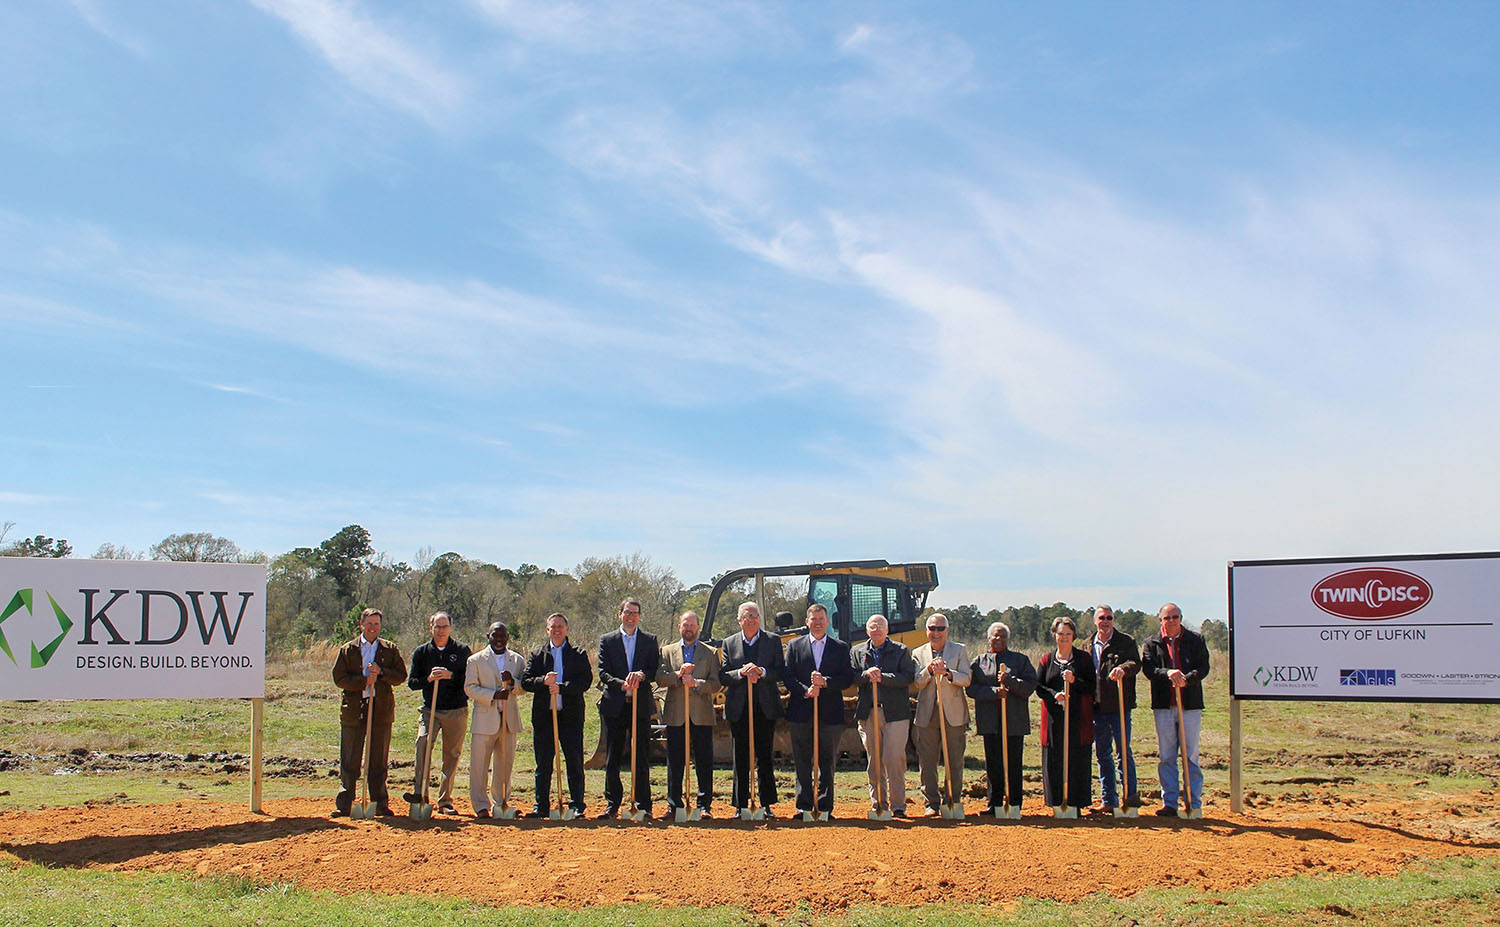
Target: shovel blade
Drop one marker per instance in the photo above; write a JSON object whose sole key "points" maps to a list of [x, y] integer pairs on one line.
{"points": [[420, 812], [752, 814], [879, 815], [503, 814], [1196, 814], [1065, 812], [953, 812], [1123, 812], [637, 816], [363, 811]]}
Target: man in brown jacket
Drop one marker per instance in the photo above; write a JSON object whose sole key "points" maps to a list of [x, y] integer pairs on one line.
{"points": [[365, 669]]}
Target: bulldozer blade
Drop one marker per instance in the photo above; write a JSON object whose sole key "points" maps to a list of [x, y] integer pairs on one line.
{"points": [[363, 811], [420, 811], [1065, 812], [503, 813]]}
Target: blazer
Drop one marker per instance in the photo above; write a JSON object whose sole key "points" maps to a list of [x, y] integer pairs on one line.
{"points": [[705, 670], [1020, 682], [349, 675], [1050, 685], [1120, 651], [1156, 661], [955, 706], [798, 678], [897, 671], [483, 683], [578, 676], [767, 655], [612, 672]]}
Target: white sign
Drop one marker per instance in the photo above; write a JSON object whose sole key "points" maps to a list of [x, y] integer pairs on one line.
{"points": [[1392, 628], [115, 629]]}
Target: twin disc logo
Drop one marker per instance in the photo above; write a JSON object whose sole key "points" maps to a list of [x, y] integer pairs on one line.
{"points": [[1371, 593]]}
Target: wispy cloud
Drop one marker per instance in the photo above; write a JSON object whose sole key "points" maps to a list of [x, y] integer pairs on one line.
{"points": [[107, 26], [371, 57]]}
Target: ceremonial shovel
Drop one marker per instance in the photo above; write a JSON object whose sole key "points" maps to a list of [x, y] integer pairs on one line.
{"points": [[1126, 787], [882, 811], [563, 811], [953, 810], [636, 813], [1187, 785], [682, 814], [364, 811], [1064, 810], [504, 812], [754, 812], [816, 814], [421, 809], [1007, 811]]}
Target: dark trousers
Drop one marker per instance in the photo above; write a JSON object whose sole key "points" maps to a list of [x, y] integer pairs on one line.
{"points": [[617, 757], [352, 757], [765, 733], [571, 736], [703, 765], [994, 758], [802, 754], [1080, 779]]}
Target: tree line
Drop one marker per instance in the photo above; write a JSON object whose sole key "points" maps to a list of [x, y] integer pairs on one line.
{"points": [[316, 593]]}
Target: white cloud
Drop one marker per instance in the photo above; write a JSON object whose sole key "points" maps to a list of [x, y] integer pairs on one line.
{"points": [[106, 26], [682, 26]]}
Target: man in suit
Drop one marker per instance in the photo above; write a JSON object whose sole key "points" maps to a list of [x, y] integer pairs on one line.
{"points": [[491, 679], [942, 672], [1116, 660], [752, 654], [689, 672], [882, 662], [1002, 680], [817, 673], [441, 660], [628, 660], [365, 669], [1176, 658], [558, 674]]}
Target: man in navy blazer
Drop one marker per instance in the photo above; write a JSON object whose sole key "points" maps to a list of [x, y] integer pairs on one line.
{"points": [[558, 674], [749, 654], [628, 660], [817, 673]]}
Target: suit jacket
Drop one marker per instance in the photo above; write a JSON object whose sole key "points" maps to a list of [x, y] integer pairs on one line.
{"points": [[1156, 661], [897, 672], [349, 675], [613, 699], [483, 683], [705, 670], [798, 678], [1020, 682], [578, 676], [1050, 684], [955, 706], [767, 655], [1120, 651]]}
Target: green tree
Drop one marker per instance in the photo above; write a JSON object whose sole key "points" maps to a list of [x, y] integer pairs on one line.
{"points": [[1215, 634], [343, 558], [202, 547], [39, 546]]}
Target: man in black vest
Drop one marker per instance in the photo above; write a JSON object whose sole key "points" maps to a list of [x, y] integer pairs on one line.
{"points": [[628, 660]]}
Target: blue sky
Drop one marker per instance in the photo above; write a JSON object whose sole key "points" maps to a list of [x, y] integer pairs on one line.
{"points": [[1080, 301]]}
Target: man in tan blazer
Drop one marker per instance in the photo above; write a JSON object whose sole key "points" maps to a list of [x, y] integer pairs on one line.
{"points": [[492, 679], [942, 667], [689, 671], [365, 669]]}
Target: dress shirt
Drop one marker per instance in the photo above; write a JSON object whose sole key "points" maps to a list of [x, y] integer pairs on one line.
{"points": [[629, 641], [557, 667], [367, 651]]}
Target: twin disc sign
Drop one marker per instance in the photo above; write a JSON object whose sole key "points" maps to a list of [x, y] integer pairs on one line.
{"points": [[1407, 628], [112, 629]]}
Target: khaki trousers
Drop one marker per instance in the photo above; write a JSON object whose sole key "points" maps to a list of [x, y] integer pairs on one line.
{"points": [[893, 736], [930, 758], [491, 756], [453, 724]]}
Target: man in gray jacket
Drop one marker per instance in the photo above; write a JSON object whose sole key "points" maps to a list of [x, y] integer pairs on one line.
{"points": [[887, 664], [942, 673], [1002, 679]]}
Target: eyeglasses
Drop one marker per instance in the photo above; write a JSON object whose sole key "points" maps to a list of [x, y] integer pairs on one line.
{"points": [[937, 627], [1172, 618], [1102, 618]]}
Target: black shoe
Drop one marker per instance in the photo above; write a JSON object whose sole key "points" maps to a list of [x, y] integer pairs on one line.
{"points": [[1166, 812], [446, 809], [704, 814], [340, 813], [481, 814], [769, 815], [899, 814], [384, 811], [412, 798], [538, 814], [1133, 801], [613, 811]]}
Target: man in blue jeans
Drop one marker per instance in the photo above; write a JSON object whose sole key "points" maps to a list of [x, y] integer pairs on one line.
{"points": [[1176, 659], [1116, 660]]}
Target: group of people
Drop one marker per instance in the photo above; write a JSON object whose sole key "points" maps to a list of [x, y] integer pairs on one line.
{"points": [[1086, 690]]}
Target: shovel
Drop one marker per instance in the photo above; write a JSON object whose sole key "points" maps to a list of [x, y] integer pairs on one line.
{"points": [[504, 811], [563, 811], [754, 812], [1065, 810], [364, 810], [636, 813], [1007, 811], [1187, 786], [816, 814], [882, 810], [682, 815], [1126, 787], [953, 810], [421, 810]]}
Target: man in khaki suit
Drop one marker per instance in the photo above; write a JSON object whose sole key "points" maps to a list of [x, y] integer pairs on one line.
{"points": [[492, 679], [689, 669], [942, 666]]}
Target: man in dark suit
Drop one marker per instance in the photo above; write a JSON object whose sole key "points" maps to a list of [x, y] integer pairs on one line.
{"points": [[558, 674], [817, 673], [1002, 679], [628, 661], [1116, 660], [365, 669], [751, 654]]}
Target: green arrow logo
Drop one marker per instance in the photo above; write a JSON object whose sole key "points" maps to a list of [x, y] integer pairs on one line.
{"points": [[39, 657]]}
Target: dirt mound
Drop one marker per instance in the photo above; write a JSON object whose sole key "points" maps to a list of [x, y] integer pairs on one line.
{"points": [[767, 868]]}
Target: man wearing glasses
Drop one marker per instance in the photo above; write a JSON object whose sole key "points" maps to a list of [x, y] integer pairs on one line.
{"points": [[442, 660], [1175, 659], [1116, 661], [943, 671]]}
